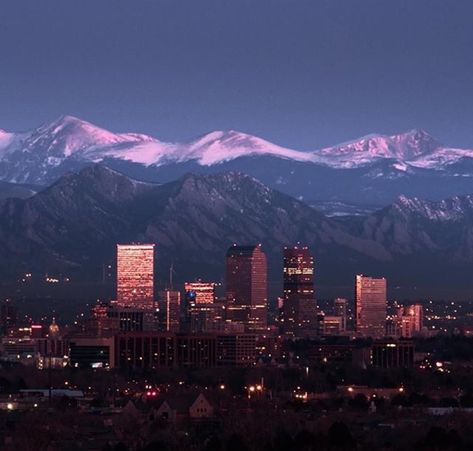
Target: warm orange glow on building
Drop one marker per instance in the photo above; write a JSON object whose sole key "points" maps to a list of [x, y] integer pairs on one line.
{"points": [[370, 306], [135, 275], [200, 292], [246, 285]]}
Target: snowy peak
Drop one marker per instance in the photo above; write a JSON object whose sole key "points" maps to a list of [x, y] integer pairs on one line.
{"points": [[413, 144], [68, 135], [403, 147], [68, 143], [220, 146]]}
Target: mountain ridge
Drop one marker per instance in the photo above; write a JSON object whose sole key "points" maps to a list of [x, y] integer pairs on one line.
{"points": [[375, 169], [70, 136], [73, 226]]}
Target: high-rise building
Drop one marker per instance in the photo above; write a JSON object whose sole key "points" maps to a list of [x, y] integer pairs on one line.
{"points": [[410, 320], [340, 308], [299, 309], [169, 310], [200, 292], [246, 286], [199, 312], [135, 275], [370, 306]]}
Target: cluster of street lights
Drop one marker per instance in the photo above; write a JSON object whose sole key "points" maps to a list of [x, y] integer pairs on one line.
{"points": [[252, 389]]}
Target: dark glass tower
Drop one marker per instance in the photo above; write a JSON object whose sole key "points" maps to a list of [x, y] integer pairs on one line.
{"points": [[246, 286], [299, 311]]}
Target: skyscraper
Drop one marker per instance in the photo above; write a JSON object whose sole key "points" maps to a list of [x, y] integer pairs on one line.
{"points": [[340, 306], [135, 275], [200, 292], [370, 306], [246, 285], [299, 310], [169, 305], [202, 313]]}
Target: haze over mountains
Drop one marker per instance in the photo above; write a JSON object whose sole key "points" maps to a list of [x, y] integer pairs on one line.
{"points": [[373, 170]]}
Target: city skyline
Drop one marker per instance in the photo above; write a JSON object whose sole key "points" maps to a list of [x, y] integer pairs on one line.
{"points": [[236, 225]]}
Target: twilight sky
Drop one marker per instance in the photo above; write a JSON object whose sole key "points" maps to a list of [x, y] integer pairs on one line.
{"points": [[301, 73]]}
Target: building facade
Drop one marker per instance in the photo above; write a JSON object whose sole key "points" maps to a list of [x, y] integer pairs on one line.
{"points": [[410, 319], [299, 309], [392, 354], [169, 305], [340, 308], [135, 275], [370, 306], [200, 292], [246, 286]]}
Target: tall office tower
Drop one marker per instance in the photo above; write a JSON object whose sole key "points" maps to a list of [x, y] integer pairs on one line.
{"points": [[340, 308], [246, 286], [299, 310], [201, 313], [169, 304], [135, 275], [410, 320], [370, 306]]}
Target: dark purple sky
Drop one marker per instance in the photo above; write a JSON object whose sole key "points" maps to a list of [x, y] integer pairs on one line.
{"points": [[302, 73]]}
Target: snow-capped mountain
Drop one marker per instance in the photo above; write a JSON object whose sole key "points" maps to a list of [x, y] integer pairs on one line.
{"points": [[69, 137], [405, 149], [37, 156], [375, 169]]}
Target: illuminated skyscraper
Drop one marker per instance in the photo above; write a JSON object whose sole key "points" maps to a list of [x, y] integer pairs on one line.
{"points": [[200, 292], [299, 311], [370, 306], [169, 310], [246, 286], [135, 275], [201, 313]]}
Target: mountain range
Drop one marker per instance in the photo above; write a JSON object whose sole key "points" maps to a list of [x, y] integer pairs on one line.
{"points": [[373, 170], [72, 228]]}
